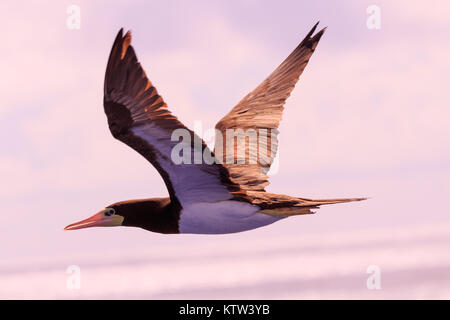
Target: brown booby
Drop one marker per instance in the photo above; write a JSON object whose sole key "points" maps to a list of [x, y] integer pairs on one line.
{"points": [[205, 197]]}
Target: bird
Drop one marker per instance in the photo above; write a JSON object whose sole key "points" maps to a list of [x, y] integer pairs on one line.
{"points": [[218, 196]]}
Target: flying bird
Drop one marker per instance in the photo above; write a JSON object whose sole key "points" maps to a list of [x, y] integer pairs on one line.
{"points": [[206, 197]]}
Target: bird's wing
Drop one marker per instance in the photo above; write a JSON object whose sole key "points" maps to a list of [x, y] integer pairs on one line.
{"points": [[139, 117], [258, 115]]}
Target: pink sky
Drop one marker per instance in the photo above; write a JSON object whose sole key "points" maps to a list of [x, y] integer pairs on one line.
{"points": [[369, 116]]}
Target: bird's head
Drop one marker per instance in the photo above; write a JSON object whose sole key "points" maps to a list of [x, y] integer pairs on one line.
{"points": [[150, 214], [108, 217]]}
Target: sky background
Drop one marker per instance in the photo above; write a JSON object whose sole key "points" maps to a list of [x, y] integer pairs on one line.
{"points": [[369, 117]]}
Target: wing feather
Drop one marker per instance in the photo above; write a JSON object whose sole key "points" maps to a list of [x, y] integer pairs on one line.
{"points": [[261, 111], [138, 116]]}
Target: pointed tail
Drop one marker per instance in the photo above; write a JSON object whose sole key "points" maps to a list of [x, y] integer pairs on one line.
{"points": [[304, 206], [320, 202]]}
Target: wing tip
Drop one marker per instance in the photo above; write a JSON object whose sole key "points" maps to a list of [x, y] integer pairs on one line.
{"points": [[121, 39], [124, 40], [310, 33], [127, 35], [312, 39], [120, 33], [118, 51]]}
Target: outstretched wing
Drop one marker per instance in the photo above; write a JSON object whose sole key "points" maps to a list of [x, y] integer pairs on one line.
{"points": [[256, 118], [138, 116]]}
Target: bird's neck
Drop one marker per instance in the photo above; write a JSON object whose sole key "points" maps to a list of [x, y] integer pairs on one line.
{"points": [[156, 214]]}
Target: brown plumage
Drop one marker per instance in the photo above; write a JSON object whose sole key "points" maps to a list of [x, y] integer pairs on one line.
{"points": [[262, 109], [139, 117]]}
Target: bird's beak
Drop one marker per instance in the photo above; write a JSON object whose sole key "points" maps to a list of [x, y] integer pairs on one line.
{"points": [[97, 220]]}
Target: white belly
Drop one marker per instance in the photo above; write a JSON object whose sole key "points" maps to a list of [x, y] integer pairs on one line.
{"points": [[222, 217]]}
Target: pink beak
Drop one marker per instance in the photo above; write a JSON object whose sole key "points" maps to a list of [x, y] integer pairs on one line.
{"points": [[97, 220]]}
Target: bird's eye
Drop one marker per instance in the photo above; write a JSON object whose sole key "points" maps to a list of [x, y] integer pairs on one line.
{"points": [[110, 212]]}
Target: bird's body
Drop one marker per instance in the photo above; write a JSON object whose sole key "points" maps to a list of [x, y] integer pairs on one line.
{"points": [[210, 192], [227, 216], [163, 216]]}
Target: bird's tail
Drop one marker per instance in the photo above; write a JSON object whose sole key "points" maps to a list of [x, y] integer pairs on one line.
{"points": [[319, 202], [305, 206]]}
